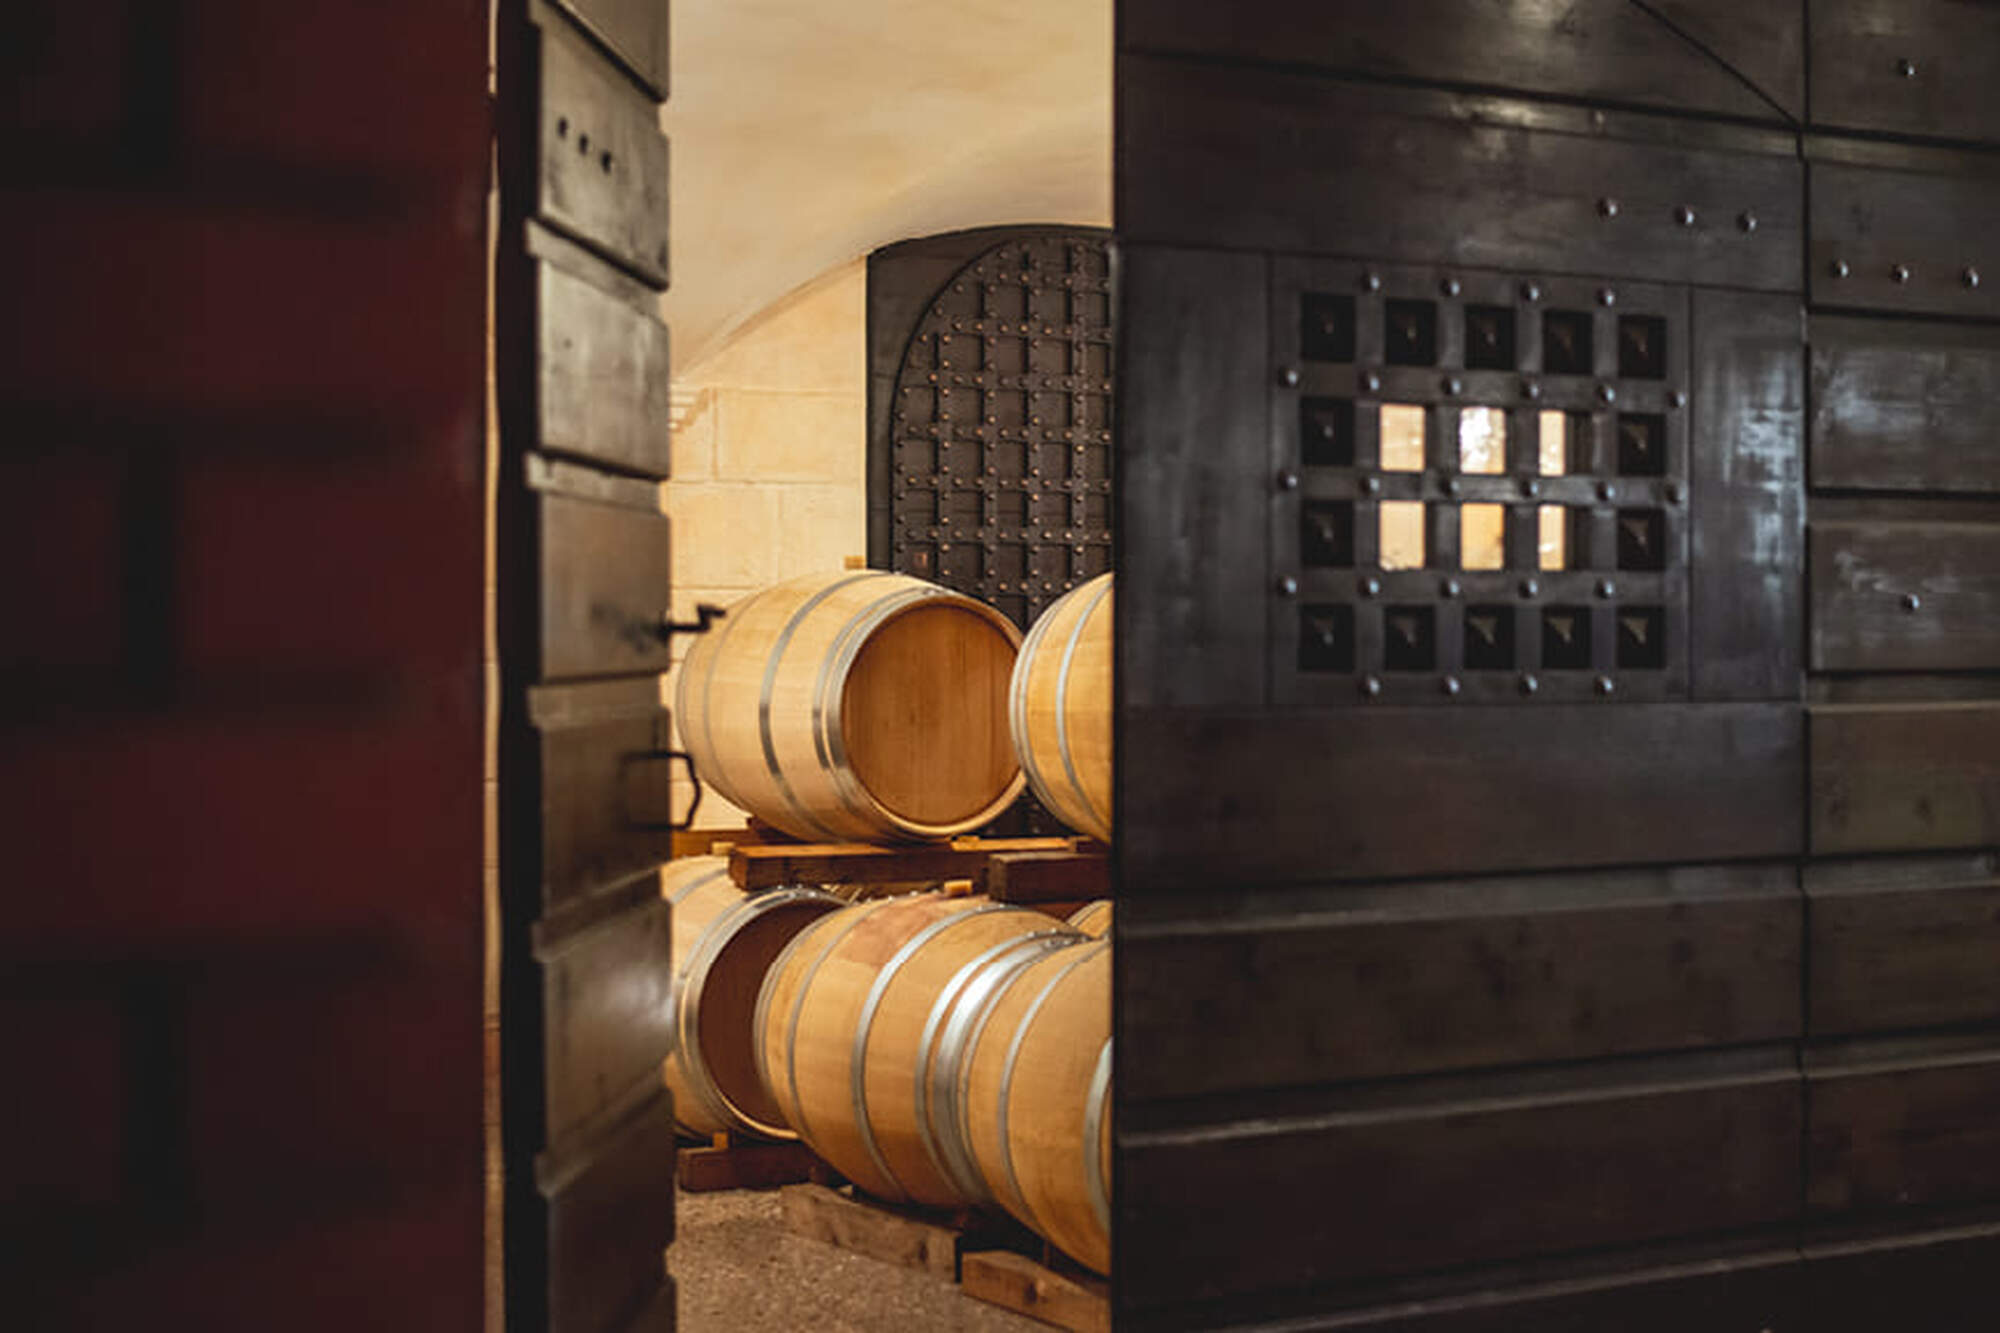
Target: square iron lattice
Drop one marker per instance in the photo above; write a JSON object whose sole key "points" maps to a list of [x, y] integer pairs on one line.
{"points": [[1001, 427], [1480, 486]]}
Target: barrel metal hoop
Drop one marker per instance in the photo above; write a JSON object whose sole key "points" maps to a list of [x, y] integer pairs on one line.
{"points": [[771, 665], [692, 984], [761, 1017], [864, 1028], [1007, 1080], [828, 743], [1094, 1106], [798, 1008], [937, 1065], [1017, 706], [1062, 704], [707, 877]]}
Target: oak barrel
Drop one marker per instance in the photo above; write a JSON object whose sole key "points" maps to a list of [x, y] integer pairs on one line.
{"points": [[1059, 708], [846, 1019], [1093, 918], [724, 942], [1036, 1100], [856, 706]]}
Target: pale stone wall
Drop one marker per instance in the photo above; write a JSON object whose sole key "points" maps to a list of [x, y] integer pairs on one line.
{"points": [[770, 457]]}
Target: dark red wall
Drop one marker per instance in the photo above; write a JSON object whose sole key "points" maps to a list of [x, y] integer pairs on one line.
{"points": [[241, 395]]}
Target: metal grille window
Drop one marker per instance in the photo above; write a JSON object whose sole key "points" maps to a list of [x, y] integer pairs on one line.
{"points": [[1480, 486]]}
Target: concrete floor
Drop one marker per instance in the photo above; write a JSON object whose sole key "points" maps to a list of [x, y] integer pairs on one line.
{"points": [[739, 1270]]}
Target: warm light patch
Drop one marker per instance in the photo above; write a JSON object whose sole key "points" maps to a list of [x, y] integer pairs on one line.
{"points": [[1553, 541], [1482, 440], [1482, 537], [1402, 534], [1402, 437], [1554, 444]]}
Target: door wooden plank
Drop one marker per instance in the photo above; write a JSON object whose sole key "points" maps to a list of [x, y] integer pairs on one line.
{"points": [[1897, 777], [1905, 596]]}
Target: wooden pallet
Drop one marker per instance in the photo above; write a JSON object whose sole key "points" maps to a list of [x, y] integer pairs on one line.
{"points": [[993, 1259], [730, 1163], [1016, 870]]}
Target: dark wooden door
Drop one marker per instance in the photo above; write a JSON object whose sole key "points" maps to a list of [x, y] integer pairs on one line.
{"points": [[1492, 670], [583, 582]]}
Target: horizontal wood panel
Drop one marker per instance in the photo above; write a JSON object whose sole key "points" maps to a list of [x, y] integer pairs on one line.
{"points": [[608, 1222], [1897, 777], [1940, 1281], [1499, 1172], [1904, 943], [1903, 1124], [1245, 797], [607, 1011], [1608, 50], [1920, 67], [1747, 469], [1905, 596], [1905, 406], [636, 31], [1248, 159], [1630, 1292], [604, 588], [1321, 986], [607, 801], [601, 171], [1899, 240], [603, 372]]}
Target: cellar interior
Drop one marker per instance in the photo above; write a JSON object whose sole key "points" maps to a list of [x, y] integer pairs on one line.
{"points": [[1538, 764]]}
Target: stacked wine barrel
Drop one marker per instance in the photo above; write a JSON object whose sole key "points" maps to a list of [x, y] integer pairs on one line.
{"points": [[937, 1050]]}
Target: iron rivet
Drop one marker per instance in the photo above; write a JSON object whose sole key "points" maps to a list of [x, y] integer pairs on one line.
{"points": [[1607, 393], [1606, 685], [1747, 221], [1912, 602], [1839, 268], [1371, 686], [1373, 281], [1371, 382], [1289, 377], [1531, 487], [1371, 587], [1530, 390], [1607, 207], [1452, 486], [1529, 684], [1608, 491], [1371, 485], [1288, 586], [1900, 272], [1448, 589], [1450, 685], [1606, 589], [1970, 277], [1453, 385], [1288, 480], [1684, 215], [1606, 296], [1531, 588], [1673, 492], [1450, 287], [1678, 398], [1907, 68], [1531, 291]]}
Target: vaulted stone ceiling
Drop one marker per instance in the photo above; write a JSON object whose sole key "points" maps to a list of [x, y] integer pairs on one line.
{"points": [[808, 132]]}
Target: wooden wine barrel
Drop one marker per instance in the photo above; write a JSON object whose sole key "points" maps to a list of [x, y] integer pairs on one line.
{"points": [[724, 942], [1036, 1098], [1093, 919], [844, 1019], [859, 706], [1059, 708]]}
